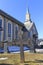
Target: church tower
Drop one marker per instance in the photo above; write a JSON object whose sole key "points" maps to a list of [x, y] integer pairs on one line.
{"points": [[27, 22], [27, 16]]}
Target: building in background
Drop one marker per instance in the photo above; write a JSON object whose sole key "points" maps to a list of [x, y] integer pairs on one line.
{"points": [[39, 47]]}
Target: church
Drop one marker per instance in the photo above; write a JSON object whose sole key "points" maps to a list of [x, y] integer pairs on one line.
{"points": [[14, 32]]}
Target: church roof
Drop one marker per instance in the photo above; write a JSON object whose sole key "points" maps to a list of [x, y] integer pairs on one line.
{"points": [[11, 18]]}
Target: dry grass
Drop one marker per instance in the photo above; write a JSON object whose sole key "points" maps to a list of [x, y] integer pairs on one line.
{"points": [[12, 58], [30, 59]]}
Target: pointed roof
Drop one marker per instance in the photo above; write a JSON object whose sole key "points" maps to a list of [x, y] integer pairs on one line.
{"points": [[27, 10], [27, 15]]}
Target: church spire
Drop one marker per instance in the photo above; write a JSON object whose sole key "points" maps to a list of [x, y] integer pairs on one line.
{"points": [[27, 11], [27, 15]]}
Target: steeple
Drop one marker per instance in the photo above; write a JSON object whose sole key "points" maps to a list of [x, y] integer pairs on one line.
{"points": [[28, 22], [27, 15], [27, 11]]}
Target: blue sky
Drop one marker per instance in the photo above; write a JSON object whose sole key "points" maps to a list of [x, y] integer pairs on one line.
{"points": [[17, 9]]}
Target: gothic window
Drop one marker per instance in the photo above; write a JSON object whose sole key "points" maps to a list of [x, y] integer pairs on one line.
{"points": [[16, 32], [4, 29], [0, 28], [0, 24], [9, 30]]}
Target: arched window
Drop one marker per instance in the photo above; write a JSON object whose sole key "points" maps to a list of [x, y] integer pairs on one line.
{"points": [[0, 28], [5, 25], [16, 32], [0, 24], [9, 30]]}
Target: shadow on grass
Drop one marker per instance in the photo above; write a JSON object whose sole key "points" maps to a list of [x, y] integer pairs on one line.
{"points": [[26, 64], [35, 61], [39, 61]]}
